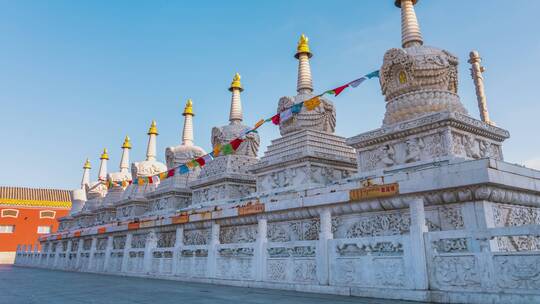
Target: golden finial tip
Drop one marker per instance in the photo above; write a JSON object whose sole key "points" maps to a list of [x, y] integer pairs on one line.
{"points": [[303, 47], [236, 84], [153, 128], [188, 109], [105, 154], [127, 143], [87, 164]]}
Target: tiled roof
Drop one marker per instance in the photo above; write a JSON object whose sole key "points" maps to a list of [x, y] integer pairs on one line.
{"points": [[19, 196]]}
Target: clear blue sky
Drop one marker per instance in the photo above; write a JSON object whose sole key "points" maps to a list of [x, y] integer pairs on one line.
{"points": [[77, 76]]}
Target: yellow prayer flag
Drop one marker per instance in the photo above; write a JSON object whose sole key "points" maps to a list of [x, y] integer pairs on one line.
{"points": [[190, 165], [259, 123], [217, 149], [163, 175], [141, 181], [312, 103]]}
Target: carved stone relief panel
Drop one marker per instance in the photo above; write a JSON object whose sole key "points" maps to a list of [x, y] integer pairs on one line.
{"points": [[166, 239], [139, 240], [403, 151], [472, 146], [519, 272], [119, 242], [301, 230], [299, 176], [196, 237], [304, 270], [375, 249], [375, 224], [511, 215], [87, 244], [455, 271], [238, 234], [101, 244]]}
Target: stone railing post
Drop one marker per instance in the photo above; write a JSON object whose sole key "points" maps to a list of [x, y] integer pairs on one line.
{"points": [[212, 250], [57, 247], [178, 244], [108, 250], [127, 247], [78, 258], [418, 250], [92, 252], [260, 254], [323, 270], [35, 256], [68, 250], [150, 245]]}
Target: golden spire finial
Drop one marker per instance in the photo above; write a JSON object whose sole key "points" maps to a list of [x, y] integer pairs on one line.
{"points": [[188, 110], [105, 154], [87, 164], [127, 143], [236, 84], [153, 128], [303, 47]]}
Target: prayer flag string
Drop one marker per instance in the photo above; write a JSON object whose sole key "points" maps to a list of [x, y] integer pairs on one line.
{"points": [[230, 147]]}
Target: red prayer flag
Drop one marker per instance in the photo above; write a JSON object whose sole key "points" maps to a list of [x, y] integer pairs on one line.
{"points": [[236, 143], [340, 89], [170, 173], [201, 161], [275, 119]]}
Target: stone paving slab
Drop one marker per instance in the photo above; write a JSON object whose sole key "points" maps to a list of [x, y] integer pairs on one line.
{"points": [[31, 285]]}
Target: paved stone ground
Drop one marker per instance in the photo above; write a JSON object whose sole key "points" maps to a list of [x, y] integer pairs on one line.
{"points": [[28, 286]]}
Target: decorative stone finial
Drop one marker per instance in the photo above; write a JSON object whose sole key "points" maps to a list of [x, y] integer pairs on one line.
{"points": [[236, 84], [187, 134], [127, 143], [476, 73], [303, 47], [87, 164], [188, 109], [410, 30], [304, 84], [235, 114], [105, 154], [153, 128]]}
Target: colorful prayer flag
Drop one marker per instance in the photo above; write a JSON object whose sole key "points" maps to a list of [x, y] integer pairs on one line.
{"points": [[259, 123], [236, 143], [296, 108], [275, 119], [170, 173], [285, 115], [340, 89], [195, 163], [227, 149], [217, 149], [207, 157], [163, 175], [312, 103], [200, 161], [183, 169]]}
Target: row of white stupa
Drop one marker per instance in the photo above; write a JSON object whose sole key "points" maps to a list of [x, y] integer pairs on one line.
{"points": [[93, 195]]}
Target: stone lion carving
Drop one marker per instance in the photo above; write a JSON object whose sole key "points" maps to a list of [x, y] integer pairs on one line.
{"points": [[322, 118]]}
